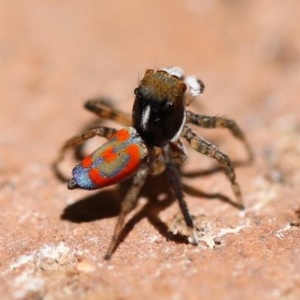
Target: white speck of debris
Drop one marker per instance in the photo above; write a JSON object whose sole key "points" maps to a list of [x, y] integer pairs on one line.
{"points": [[29, 279], [47, 251], [153, 239], [85, 266], [236, 229], [281, 232], [24, 259], [52, 252], [26, 282], [209, 239]]}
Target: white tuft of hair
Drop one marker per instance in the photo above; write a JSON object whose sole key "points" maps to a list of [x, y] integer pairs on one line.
{"points": [[195, 86], [174, 71]]}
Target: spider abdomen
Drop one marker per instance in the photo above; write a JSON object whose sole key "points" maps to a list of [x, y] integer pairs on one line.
{"points": [[116, 160]]}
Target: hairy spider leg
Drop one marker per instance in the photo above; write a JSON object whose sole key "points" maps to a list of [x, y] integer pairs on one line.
{"points": [[102, 108], [220, 122], [101, 131], [127, 205], [176, 185], [206, 148]]}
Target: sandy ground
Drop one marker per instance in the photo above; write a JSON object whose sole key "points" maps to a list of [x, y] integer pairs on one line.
{"points": [[56, 54]]}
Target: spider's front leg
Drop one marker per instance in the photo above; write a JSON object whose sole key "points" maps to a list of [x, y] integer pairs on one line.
{"points": [[176, 185], [127, 205], [74, 142], [102, 108], [206, 148], [220, 122]]}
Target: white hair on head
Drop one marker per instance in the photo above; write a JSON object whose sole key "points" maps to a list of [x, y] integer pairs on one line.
{"points": [[174, 71], [196, 86]]}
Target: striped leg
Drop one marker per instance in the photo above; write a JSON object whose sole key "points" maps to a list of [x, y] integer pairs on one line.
{"points": [[127, 205], [176, 185], [220, 122], [103, 109], [206, 148]]}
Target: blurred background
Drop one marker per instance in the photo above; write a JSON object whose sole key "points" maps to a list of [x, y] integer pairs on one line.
{"points": [[56, 54]]}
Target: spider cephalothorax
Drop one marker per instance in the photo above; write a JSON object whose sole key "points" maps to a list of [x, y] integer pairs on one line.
{"points": [[152, 144], [158, 110]]}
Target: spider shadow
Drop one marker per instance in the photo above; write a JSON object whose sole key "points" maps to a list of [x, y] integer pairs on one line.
{"points": [[107, 204]]}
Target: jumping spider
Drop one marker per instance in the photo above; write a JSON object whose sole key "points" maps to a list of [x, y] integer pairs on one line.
{"points": [[150, 144]]}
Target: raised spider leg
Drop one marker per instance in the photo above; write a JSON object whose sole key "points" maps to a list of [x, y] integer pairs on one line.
{"points": [[220, 122], [206, 148], [101, 131], [176, 185], [127, 205], [102, 108]]}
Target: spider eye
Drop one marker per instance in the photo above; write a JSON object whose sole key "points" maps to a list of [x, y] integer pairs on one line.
{"points": [[136, 91], [167, 105]]}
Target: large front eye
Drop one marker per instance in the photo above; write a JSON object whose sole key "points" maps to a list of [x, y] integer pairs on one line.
{"points": [[167, 105]]}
